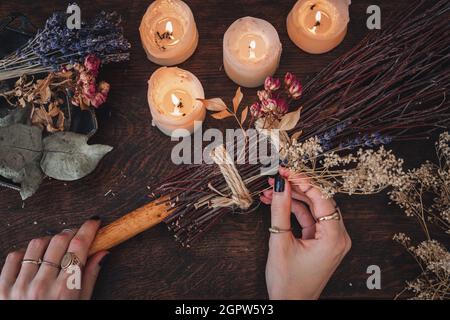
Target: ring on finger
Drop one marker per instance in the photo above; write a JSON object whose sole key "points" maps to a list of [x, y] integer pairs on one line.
{"points": [[279, 230], [50, 264], [336, 215], [32, 261], [69, 260]]}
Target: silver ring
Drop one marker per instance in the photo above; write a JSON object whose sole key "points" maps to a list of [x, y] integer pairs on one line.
{"points": [[69, 230]]}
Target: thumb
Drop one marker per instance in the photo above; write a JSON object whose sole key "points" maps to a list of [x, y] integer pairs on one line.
{"points": [[281, 203], [91, 272]]}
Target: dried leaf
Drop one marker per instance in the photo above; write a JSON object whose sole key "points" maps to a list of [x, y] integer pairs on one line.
{"points": [[222, 114], [237, 99], [20, 154], [296, 135], [68, 157], [290, 120], [244, 115], [215, 104], [17, 115]]}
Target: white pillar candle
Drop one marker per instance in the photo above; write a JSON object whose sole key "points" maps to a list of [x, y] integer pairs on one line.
{"points": [[168, 32], [251, 51], [318, 26], [172, 98]]}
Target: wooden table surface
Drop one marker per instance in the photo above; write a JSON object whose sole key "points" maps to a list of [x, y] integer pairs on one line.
{"points": [[230, 261]]}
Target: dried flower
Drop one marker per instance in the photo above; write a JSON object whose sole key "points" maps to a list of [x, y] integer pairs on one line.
{"points": [[56, 46], [255, 109], [295, 90], [411, 193], [289, 78], [272, 84], [365, 172]]}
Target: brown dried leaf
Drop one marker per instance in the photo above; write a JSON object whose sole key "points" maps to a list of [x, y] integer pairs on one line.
{"points": [[222, 114], [290, 120], [244, 115], [296, 135], [237, 99], [215, 104]]}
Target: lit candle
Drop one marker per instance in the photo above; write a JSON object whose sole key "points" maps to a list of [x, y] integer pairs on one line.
{"points": [[251, 51], [172, 98], [318, 26], [168, 32]]}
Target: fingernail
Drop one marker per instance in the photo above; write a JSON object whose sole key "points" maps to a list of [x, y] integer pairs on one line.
{"points": [[96, 218], [51, 232], [278, 186], [101, 263]]}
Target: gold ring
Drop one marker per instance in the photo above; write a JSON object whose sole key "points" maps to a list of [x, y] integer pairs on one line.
{"points": [[50, 264], [31, 261], [70, 259], [336, 215], [279, 230]]}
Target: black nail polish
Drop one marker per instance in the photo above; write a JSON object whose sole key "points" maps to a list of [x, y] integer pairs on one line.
{"points": [[278, 186], [101, 263], [96, 218], [51, 232]]}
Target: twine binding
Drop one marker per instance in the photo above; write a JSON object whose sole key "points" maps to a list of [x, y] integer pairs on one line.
{"points": [[240, 195]]}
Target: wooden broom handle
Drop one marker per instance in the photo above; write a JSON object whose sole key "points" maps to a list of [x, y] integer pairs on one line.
{"points": [[130, 225]]}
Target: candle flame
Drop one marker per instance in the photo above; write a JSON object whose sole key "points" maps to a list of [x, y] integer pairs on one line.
{"points": [[169, 27], [252, 47], [176, 102], [318, 16]]}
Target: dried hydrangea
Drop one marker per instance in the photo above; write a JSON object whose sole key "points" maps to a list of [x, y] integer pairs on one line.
{"points": [[364, 172]]}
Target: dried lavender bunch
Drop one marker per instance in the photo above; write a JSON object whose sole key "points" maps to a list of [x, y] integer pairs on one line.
{"points": [[412, 192], [56, 46], [393, 84]]}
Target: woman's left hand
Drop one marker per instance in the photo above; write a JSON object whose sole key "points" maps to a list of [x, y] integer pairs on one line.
{"points": [[35, 274]]}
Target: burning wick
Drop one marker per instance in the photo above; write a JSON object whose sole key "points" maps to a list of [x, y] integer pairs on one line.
{"points": [[252, 48], [178, 105], [168, 34]]}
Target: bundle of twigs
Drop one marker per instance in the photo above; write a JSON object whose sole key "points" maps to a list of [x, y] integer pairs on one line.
{"points": [[395, 80]]}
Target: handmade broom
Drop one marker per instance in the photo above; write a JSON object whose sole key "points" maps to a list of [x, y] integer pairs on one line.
{"points": [[395, 80]]}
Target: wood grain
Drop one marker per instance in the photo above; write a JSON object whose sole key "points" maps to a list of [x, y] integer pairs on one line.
{"points": [[230, 261]]}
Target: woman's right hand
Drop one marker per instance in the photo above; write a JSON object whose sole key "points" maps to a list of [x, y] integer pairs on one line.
{"points": [[300, 268], [24, 277]]}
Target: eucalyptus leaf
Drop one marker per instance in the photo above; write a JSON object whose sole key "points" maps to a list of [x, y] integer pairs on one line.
{"points": [[68, 157], [20, 154], [18, 115]]}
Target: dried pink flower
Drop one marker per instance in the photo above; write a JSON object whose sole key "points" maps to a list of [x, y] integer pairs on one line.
{"points": [[255, 109], [92, 64], [295, 90], [272, 84], [289, 78]]}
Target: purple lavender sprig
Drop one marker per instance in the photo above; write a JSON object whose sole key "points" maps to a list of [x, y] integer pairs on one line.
{"points": [[56, 45]]}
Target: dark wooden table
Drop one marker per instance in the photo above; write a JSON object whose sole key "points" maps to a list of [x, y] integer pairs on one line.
{"points": [[230, 261]]}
